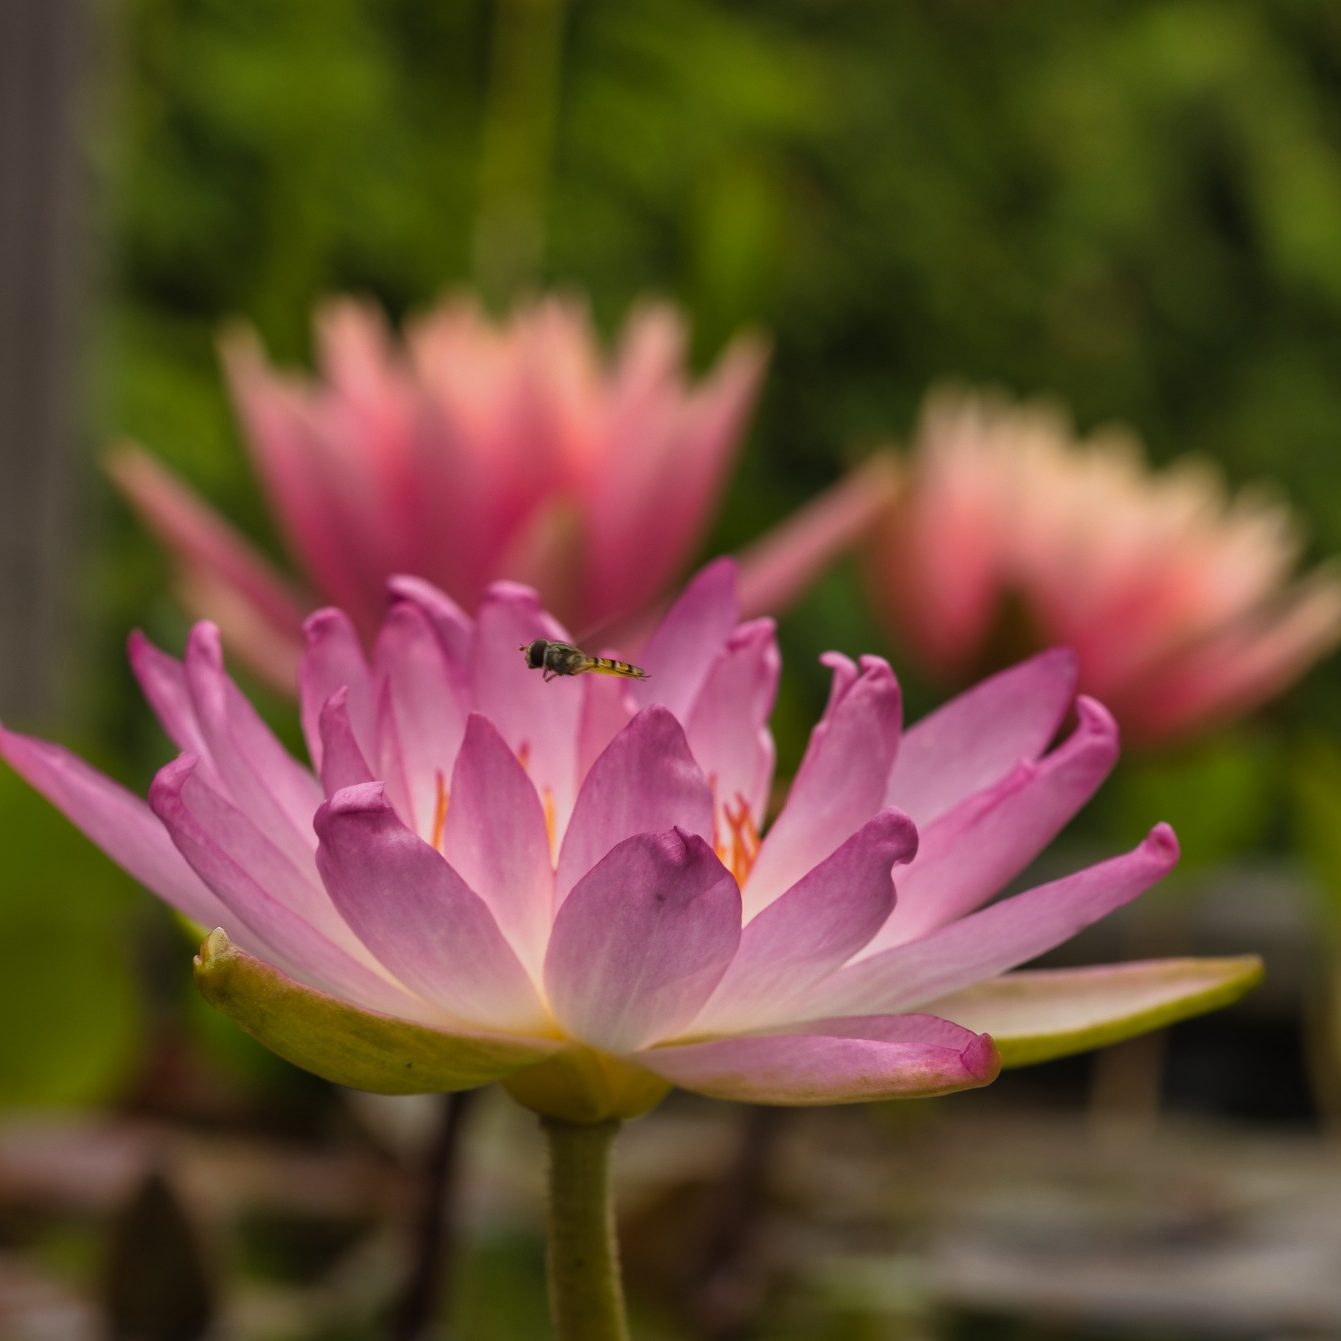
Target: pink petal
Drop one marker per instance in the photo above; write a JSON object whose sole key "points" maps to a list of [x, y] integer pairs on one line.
{"points": [[163, 682], [494, 836], [539, 721], [980, 845], [977, 738], [261, 778], [727, 726], [812, 929], [688, 640], [841, 781], [280, 912], [418, 741], [305, 479], [201, 539], [783, 563], [645, 782], [995, 938], [455, 631], [115, 820], [606, 711], [417, 915], [342, 761], [642, 940], [334, 660], [838, 1061]]}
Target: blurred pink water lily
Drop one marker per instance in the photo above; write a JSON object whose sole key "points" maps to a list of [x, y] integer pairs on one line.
{"points": [[1179, 602], [472, 451], [564, 886]]}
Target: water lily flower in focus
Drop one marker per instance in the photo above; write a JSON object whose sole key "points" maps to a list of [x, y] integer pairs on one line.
{"points": [[471, 451], [564, 886], [1009, 535]]}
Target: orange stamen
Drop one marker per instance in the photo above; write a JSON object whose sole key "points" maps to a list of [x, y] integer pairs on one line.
{"points": [[745, 841], [440, 810], [551, 822]]}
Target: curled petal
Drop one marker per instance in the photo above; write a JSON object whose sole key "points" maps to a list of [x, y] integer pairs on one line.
{"points": [[365, 1050], [416, 914], [842, 779], [995, 938], [978, 737], [812, 929], [850, 1060], [642, 940], [976, 848], [1039, 1014]]}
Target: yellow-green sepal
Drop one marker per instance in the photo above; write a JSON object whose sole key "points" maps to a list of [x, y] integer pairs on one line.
{"points": [[362, 1049], [582, 1085], [1036, 1015]]}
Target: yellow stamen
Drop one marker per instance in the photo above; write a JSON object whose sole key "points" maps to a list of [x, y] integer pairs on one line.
{"points": [[551, 823], [744, 844], [440, 810]]}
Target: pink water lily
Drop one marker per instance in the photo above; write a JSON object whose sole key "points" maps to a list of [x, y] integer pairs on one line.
{"points": [[472, 451], [565, 886], [1009, 533]]}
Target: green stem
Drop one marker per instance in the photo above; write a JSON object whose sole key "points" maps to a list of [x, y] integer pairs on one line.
{"points": [[586, 1298]]}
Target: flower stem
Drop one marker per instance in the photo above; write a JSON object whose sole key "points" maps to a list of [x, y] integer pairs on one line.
{"points": [[586, 1298]]}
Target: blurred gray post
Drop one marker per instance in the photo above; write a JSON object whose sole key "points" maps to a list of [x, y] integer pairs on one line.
{"points": [[44, 49]]}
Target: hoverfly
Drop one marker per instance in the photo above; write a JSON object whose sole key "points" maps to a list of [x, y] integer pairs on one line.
{"points": [[565, 659]]}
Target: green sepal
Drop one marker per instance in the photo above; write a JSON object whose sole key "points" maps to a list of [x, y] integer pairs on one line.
{"points": [[1094, 1007], [361, 1049], [582, 1085]]}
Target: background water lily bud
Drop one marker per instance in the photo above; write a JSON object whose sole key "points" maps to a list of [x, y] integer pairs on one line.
{"points": [[569, 886], [472, 450], [1011, 535]]}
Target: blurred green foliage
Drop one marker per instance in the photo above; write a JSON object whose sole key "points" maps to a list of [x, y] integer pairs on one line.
{"points": [[1128, 204]]}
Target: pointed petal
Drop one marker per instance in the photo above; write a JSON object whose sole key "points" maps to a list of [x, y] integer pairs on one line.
{"points": [[362, 1049], [424, 717], [201, 539], [259, 775], [776, 568], [642, 940], [280, 910], [727, 727], [686, 642], [850, 1060], [417, 915], [646, 781], [977, 738], [334, 660], [116, 820], [455, 631], [162, 680], [976, 848], [995, 938], [495, 838], [539, 721], [342, 762], [812, 929], [841, 781], [1039, 1014]]}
